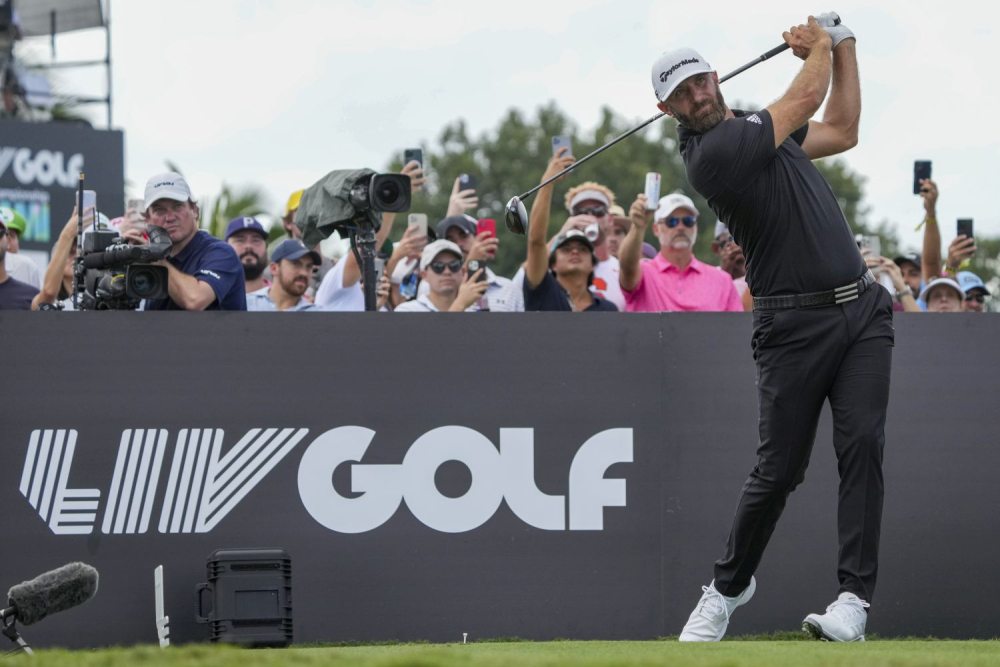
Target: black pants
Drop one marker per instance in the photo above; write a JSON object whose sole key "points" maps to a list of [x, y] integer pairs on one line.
{"points": [[804, 357]]}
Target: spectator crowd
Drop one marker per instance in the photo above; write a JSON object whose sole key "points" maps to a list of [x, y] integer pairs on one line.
{"points": [[597, 261]]}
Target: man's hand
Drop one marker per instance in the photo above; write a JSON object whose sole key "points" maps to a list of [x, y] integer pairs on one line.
{"points": [[638, 214], [838, 33], [579, 222], [804, 38], [484, 247], [416, 174], [929, 191], [961, 249], [893, 271], [469, 292], [383, 292], [559, 162], [461, 200], [731, 255]]}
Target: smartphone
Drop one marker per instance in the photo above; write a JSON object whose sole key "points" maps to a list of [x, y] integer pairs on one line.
{"points": [[965, 227], [466, 182], [136, 205], [89, 201], [413, 154], [921, 170], [379, 269], [474, 265], [561, 141], [652, 191], [420, 220], [487, 225]]}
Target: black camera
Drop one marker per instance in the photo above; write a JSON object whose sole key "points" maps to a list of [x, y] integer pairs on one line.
{"points": [[113, 275], [382, 193]]}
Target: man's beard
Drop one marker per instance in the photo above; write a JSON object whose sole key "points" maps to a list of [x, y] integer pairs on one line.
{"points": [[252, 271], [702, 122], [294, 287]]}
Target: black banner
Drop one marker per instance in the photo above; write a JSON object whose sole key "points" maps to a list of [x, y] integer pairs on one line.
{"points": [[39, 172], [531, 475]]}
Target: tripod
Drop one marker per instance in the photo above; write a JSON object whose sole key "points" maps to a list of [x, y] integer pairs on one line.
{"points": [[10, 631], [364, 247]]}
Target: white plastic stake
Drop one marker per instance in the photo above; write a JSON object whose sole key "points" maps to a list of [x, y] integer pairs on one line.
{"points": [[465, 635], [162, 629]]}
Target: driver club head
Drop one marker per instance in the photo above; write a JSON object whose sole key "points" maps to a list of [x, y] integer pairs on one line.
{"points": [[516, 216]]}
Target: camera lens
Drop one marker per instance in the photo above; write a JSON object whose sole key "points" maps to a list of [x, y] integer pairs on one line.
{"points": [[387, 193], [145, 282], [390, 192]]}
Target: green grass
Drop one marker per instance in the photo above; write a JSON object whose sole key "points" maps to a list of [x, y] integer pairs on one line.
{"points": [[784, 652]]}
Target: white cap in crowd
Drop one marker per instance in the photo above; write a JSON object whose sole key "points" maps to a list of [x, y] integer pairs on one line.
{"points": [[671, 202], [434, 249], [584, 195], [169, 185], [673, 67]]}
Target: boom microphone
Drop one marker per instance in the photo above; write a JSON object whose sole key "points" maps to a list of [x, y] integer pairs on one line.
{"points": [[67, 587]]}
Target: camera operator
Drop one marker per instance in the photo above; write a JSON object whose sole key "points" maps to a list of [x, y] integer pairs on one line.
{"points": [[204, 272]]}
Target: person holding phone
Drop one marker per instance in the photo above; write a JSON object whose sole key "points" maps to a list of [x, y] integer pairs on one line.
{"points": [[478, 241], [961, 249], [822, 329], [451, 289], [558, 277]]}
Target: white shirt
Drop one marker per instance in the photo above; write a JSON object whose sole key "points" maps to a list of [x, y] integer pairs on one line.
{"points": [[332, 295], [261, 302], [606, 282], [423, 304], [23, 269], [502, 295]]}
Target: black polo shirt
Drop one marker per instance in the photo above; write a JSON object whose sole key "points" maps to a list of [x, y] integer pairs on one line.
{"points": [[550, 296], [778, 206], [211, 261]]}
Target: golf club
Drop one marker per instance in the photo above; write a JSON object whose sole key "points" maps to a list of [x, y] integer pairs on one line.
{"points": [[516, 216]]}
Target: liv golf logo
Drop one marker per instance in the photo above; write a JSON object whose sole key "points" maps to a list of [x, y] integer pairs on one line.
{"points": [[203, 485]]}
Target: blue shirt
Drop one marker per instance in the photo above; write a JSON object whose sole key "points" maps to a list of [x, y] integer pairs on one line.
{"points": [[214, 262], [260, 301]]}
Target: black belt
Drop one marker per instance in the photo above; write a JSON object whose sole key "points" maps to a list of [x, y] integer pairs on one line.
{"points": [[832, 297]]}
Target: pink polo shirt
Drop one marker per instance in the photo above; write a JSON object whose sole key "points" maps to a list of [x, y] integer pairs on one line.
{"points": [[700, 287]]}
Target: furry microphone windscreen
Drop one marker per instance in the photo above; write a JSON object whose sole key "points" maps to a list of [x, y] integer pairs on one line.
{"points": [[52, 592]]}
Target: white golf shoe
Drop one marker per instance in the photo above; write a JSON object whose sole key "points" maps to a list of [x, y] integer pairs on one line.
{"points": [[710, 618], [844, 620]]}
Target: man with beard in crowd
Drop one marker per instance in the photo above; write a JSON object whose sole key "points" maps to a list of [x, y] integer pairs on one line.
{"points": [[247, 237], [822, 328], [292, 264]]}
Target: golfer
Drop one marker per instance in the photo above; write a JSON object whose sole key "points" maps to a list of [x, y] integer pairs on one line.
{"points": [[822, 329]]}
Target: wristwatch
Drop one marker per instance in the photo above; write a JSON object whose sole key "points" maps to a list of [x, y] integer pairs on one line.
{"points": [[904, 292]]}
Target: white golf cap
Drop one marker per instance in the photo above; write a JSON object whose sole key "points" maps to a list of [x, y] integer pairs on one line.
{"points": [[938, 282], [169, 185], [593, 195], [673, 67], [434, 249], [721, 228], [671, 202]]}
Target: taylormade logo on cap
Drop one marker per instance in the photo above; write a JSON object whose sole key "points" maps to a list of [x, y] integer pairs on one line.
{"points": [[673, 67]]}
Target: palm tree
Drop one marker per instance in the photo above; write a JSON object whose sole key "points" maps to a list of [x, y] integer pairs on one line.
{"points": [[232, 202]]}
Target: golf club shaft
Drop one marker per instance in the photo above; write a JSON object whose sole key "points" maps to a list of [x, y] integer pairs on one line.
{"points": [[756, 61]]}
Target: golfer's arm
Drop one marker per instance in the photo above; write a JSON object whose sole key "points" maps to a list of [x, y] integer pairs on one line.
{"points": [[839, 130], [628, 257], [804, 97], [538, 224]]}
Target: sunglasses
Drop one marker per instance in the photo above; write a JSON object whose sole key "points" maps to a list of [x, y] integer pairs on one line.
{"points": [[596, 211], [688, 220], [978, 298], [439, 267]]}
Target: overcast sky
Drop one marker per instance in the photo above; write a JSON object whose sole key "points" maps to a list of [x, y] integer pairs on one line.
{"points": [[279, 92]]}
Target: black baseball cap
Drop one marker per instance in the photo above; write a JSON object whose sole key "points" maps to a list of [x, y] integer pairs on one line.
{"points": [[913, 258], [464, 222]]}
